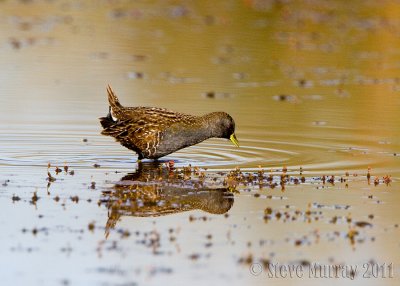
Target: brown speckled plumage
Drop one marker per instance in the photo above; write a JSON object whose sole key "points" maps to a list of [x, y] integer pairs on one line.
{"points": [[155, 132]]}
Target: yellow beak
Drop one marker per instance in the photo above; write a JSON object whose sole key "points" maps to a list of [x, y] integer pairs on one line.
{"points": [[234, 140]]}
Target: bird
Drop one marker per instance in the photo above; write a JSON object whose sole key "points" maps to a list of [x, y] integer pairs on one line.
{"points": [[154, 132]]}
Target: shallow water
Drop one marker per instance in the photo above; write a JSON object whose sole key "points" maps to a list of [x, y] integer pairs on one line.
{"points": [[314, 86]]}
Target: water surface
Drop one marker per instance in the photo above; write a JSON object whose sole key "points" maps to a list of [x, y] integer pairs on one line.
{"points": [[312, 86]]}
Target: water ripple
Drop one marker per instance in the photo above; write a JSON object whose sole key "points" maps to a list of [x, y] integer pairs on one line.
{"points": [[315, 156]]}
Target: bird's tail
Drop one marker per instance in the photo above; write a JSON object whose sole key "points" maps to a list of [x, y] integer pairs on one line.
{"points": [[114, 114], [113, 99]]}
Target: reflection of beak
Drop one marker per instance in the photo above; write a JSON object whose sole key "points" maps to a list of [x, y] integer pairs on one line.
{"points": [[234, 140]]}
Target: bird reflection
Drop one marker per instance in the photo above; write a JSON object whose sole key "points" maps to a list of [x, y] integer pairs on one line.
{"points": [[157, 190]]}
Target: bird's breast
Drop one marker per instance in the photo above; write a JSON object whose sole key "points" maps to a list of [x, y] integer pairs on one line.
{"points": [[174, 139]]}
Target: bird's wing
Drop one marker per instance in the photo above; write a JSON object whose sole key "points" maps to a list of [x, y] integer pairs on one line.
{"points": [[160, 116], [142, 127]]}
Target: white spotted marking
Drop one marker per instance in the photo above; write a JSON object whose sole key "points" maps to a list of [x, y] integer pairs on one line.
{"points": [[112, 115]]}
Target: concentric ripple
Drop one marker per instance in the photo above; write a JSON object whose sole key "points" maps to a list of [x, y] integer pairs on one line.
{"points": [[86, 147], [317, 157]]}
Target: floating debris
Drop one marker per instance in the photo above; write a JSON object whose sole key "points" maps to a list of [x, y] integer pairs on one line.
{"points": [[362, 224], [15, 198], [319, 123], [194, 256], [125, 233], [210, 94], [34, 198], [216, 95], [91, 226], [376, 181], [93, 185], [304, 83], [50, 178], [247, 260], [57, 170], [387, 179], [135, 75], [286, 97], [351, 234], [298, 242]]}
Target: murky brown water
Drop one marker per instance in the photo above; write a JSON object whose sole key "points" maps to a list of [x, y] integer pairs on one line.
{"points": [[313, 85]]}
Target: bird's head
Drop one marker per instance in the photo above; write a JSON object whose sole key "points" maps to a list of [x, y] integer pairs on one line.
{"points": [[223, 126]]}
